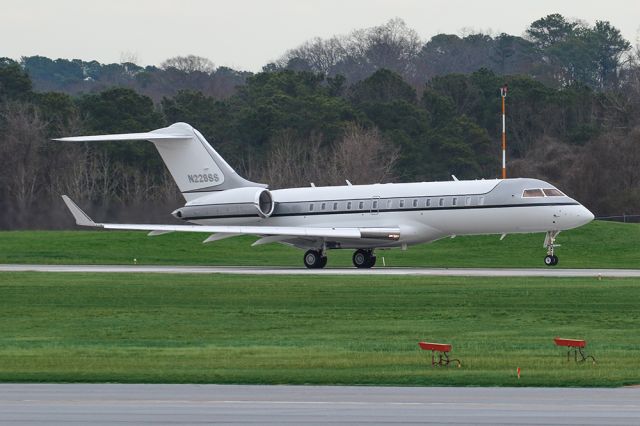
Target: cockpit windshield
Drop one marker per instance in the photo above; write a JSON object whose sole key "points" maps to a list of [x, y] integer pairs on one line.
{"points": [[552, 192], [546, 192], [530, 193]]}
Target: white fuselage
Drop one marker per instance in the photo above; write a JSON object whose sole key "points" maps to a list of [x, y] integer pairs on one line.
{"points": [[423, 212]]}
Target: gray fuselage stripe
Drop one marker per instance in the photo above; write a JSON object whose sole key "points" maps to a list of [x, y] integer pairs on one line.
{"points": [[407, 209]]}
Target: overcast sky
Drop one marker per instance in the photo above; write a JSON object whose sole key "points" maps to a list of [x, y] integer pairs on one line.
{"points": [[246, 34]]}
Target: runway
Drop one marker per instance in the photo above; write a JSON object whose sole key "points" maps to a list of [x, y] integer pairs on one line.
{"points": [[191, 404], [256, 270]]}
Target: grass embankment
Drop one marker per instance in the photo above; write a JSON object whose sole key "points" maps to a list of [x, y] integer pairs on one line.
{"points": [[287, 329], [597, 245]]}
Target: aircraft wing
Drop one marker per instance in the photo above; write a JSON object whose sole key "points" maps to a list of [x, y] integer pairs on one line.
{"points": [[83, 219]]}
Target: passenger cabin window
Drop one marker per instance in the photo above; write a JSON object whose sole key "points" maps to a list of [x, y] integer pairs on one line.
{"points": [[311, 207], [349, 205], [389, 203], [481, 201], [552, 192], [428, 202], [454, 201], [401, 203], [375, 204], [335, 206], [323, 206], [441, 202], [415, 203], [361, 205], [468, 201], [531, 193]]}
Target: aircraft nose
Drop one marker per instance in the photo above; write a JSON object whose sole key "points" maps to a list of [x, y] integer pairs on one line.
{"points": [[584, 215]]}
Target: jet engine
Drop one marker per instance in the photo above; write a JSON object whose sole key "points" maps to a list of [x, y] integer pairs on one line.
{"points": [[237, 202]]}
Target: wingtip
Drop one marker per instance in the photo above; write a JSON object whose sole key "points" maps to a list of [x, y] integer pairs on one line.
{"points": [[81, 217]]}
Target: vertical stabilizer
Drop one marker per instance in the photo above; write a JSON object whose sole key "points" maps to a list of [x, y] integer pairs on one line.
{"points": [[194, 165]]}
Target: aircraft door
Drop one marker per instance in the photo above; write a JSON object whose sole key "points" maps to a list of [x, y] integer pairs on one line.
{"points": [[375, 204]]}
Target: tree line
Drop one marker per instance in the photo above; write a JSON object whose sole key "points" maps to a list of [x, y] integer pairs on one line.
{"points": [[363, 118]]}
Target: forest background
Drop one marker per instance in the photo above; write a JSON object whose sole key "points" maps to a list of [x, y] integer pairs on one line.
{"points": [[375, 105]]}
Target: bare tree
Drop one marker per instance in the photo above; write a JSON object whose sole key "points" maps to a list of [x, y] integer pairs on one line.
{"points": [[189, 63], [293, 161], [356, 55], [362, 156], [607, 177], [318, 54], [128, 57], [20, 149]]}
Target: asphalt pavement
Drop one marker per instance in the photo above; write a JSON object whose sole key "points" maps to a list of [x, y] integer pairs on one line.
{"points": [[197, 404], [256, 270]]}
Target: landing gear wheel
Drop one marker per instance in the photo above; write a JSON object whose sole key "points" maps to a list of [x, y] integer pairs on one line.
{"points": [[314, 260], [550, 243], [372, 262], [364, 258], [551, 260]]}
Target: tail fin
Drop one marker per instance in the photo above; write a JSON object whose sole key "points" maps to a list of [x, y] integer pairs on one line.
{"points": [[195, 166]]}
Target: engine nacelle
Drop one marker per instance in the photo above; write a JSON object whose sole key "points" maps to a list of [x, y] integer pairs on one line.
{"points": [[238, 202]]}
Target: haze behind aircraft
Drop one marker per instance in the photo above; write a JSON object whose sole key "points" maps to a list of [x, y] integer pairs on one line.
{"points": [[359, 217]]}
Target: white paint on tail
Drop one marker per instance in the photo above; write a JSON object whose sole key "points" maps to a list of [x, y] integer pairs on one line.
{"points": [[194, 165]]}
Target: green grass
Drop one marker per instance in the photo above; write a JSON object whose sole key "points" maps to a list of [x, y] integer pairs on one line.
{"points": [[597, 245], [339, 330]]}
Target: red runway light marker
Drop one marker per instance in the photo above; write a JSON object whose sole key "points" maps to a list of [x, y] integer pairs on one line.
{"points": [[518, 372]]}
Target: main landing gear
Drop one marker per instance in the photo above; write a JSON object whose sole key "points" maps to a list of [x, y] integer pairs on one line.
{"points": [[364, 258], [550, 243], [315, 259]]}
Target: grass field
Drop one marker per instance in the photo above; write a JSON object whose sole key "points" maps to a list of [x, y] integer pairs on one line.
{"points": [[597, 245], [286, 329]]}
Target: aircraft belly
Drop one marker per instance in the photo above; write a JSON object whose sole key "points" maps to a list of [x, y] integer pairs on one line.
{"points": [[412, 229]]}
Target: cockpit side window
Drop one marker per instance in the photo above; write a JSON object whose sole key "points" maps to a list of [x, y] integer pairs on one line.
{"points": [[531, 193], [552, 192]]}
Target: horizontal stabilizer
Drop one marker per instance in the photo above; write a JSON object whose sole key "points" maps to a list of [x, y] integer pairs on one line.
{"points": [[149, 136]]}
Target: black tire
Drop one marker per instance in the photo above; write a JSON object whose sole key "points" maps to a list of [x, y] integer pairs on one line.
{"points": [[548, 260], [312, 259], [359, 258], [323, 262], [372, 262], [362, 259], [555, 260]]}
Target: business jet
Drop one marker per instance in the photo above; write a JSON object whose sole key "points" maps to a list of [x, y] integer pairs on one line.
{"points": [[358, 217]]}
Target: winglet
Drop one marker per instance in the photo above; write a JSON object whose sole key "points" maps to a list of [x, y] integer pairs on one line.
{"points": [[81, 217]]}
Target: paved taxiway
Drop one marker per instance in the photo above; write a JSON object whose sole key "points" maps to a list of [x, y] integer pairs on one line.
{"points": [[254, 270], [189, 404]]}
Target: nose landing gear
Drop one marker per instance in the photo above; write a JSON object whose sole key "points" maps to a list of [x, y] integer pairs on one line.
{"points": [[551, 260], [549, 243]]}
